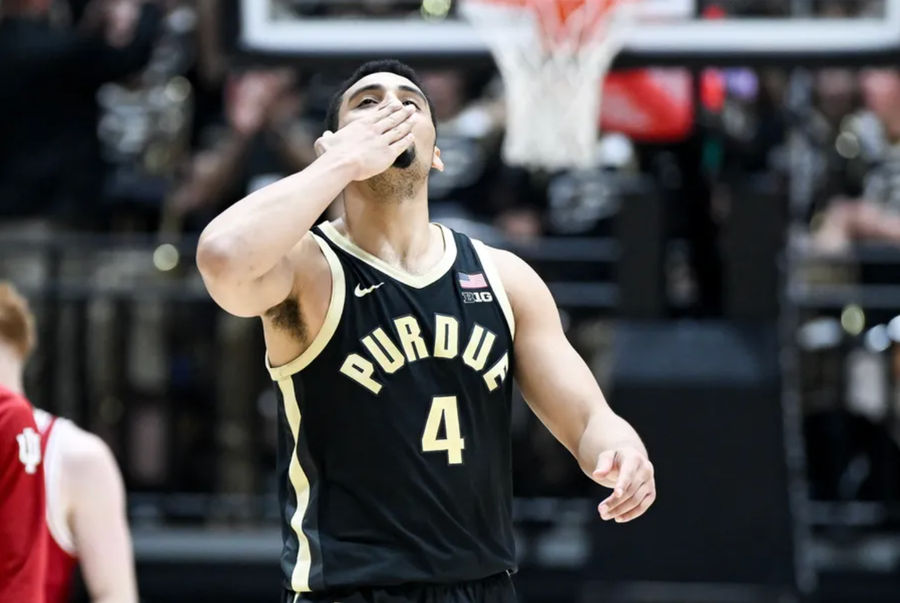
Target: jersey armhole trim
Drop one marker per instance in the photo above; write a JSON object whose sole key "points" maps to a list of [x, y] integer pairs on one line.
{"points": [[56, 520], [493, 276], [329, 325]]}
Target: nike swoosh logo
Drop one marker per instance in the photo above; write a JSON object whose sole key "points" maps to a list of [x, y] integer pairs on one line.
{"points": [[360, 292]]}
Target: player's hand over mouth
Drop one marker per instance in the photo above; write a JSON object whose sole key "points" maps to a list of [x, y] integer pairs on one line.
{"points": [[372, 143]]}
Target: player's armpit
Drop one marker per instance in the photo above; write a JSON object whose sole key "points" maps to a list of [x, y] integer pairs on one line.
{"points": [[292, 325], [286, 317]]}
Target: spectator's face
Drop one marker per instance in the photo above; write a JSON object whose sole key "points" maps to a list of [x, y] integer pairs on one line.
{"points": [[25, 6], [836, 89], [446, 90], [881, 90], [377, 89], [41, 6]]}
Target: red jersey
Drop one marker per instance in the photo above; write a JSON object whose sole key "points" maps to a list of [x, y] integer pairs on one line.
{"points": [[61, 553], [23, 545]]}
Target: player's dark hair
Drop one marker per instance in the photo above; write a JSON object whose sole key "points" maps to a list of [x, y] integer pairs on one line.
{"points": [[378, 66]]}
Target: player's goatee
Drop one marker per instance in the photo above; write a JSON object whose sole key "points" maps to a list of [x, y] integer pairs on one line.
{"points": [[406, 158]]}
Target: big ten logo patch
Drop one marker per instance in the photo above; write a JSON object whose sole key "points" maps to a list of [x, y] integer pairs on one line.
{"points": [[29, 449], [477, 297]]}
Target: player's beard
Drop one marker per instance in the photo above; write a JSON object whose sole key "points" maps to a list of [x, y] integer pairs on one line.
{"points": [[401, 180], [406, 158]]}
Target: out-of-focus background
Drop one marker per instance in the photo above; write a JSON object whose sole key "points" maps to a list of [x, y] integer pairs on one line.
{"points": [[729, 269]]}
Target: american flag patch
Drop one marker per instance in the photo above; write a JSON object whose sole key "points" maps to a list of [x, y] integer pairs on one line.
{"points": [[472, 281]]}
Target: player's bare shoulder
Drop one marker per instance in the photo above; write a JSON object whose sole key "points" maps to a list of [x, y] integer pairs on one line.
{"points": [[86, 461], [506, 261], [517, 276]]}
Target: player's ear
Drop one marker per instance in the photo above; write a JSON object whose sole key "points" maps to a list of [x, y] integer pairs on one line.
{"points": [[436, 161]]}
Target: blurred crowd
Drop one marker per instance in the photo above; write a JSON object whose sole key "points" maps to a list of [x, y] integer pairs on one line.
{"points": [[127, 116], [123, 115]]}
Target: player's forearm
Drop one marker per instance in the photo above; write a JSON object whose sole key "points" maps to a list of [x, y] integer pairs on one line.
{"points": [[605, 431], [249, 238], [126, 596]]}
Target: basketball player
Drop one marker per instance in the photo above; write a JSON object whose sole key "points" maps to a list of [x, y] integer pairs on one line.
{"points": [[23, 545], [84, 518], [392, 343]]}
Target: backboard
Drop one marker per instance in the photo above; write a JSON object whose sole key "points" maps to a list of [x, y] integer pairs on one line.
{"points": [[743, 32]]}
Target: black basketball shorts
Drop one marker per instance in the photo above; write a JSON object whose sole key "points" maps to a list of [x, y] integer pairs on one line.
{"points": [[493, 589]]}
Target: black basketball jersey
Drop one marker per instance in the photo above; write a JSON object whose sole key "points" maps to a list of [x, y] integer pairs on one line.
{"points": [[394, 438]]}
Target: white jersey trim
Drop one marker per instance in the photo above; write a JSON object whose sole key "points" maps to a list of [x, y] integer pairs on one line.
{"points": [[56, 509], [493, 277], [300, 483], [329, 325], [417, 281]]}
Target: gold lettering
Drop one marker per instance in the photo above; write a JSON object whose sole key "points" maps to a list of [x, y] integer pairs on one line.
{"points": [[446, 336], [392, 360], [494, 377], [411, 338], [479, 347], [361, 370]]}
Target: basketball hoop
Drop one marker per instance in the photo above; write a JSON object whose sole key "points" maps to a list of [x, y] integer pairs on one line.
{"points": [[551, 55]]}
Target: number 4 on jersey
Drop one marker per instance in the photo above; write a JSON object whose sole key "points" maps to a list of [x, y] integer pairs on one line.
{"points": [[444, 410]]}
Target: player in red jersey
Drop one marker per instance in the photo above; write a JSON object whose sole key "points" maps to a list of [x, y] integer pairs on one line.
{"points": [[23, 543], [85, 517]]}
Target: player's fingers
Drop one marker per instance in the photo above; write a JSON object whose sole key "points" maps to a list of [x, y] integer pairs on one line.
{"points": [[320, 144], [629, 502], [605, 463], [638, 510], [399, 131], [629, 465], [402, 144], [395, 119], [628, 479], [642, 475], [614, 503], [385, 111]]}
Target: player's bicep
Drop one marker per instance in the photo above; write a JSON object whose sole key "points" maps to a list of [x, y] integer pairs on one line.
{"points": [[554, 379], [254, 297], [99, 524], [248, 298]]}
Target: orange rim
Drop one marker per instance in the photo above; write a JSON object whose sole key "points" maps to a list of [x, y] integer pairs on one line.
{"points": [[553, 15]]}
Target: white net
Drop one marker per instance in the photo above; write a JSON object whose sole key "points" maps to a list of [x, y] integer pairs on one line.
{"points": [[551, 67]]}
